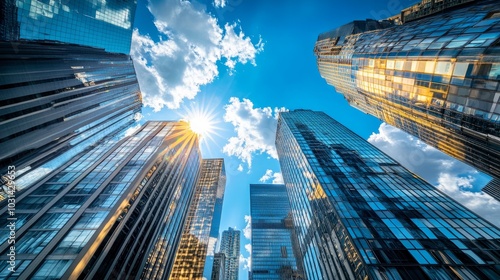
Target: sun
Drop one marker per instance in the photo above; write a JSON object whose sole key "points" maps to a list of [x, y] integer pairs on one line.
{"points": [[201, 119], [200, 125]]}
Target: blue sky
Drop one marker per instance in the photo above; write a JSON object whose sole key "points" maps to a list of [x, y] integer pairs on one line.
{"points": [[243, 61]]}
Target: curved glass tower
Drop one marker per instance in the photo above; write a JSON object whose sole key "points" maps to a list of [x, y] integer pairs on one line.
{"points": [[436, 76]]}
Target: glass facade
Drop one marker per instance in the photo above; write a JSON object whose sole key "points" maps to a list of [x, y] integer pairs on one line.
{"points": [[230, 247], [100, 24], [114, 212], [436, 77], [218, 267], [273, 251], [58, 100], [359, 214], [195, 256]]}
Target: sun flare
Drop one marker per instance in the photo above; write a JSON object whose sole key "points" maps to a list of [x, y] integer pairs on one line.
{"points": [[200, 125], [201, 120]]}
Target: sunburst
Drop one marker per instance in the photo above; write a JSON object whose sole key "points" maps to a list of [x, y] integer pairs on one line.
{"points": [[202, 120]]}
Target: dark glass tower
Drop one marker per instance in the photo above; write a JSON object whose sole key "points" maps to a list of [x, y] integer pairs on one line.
{"points": [[218, 267], [58, 100], [100, 24], [114, 212], [436, 76], [230, 247], [361, 215], [195, 256], [273, 253]]}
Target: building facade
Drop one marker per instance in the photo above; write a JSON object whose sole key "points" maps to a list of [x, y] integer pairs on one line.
{"points": [[100, 24], [360, 215], [218, 266], [436, 76], [58, 100], [230, 247], [195, 256], [66, 81], [273, 253], [114, 212]]}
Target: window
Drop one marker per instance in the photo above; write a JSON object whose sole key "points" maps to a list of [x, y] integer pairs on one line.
{"points": [[284, 253], [460, 69]]}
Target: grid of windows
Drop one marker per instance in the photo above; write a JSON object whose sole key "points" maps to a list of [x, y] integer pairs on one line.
{"points": [[273, 251], [194, 258], [60, 100], [230, 247], [105, 198], [436, 78], [358, 213], [101, 24]]}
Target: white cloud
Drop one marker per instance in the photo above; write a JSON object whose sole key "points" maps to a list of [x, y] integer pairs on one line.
{"points": [[138, 116], [219, 3], [451, 176], [460, 189], [415, 155], [276, 176], [247, 262], [240, 167], [255, 128], [247, 231], [174, 68], [237, 48]]}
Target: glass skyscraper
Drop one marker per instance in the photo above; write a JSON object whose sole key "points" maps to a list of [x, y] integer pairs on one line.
{"points": [[66, 81], [230, 247], [359, 214], [58, 100], [114, 212], [273, 252], [436, 76], [100, 24], [218, 267], [195, 256]]}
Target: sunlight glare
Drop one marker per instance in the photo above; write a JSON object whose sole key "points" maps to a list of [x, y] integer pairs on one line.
{"points": [[201, 120], [200, 125]]}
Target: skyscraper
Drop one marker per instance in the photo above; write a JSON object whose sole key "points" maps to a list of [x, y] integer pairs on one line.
{"points": [[436, 76], [58, 100], [114, 212], [195, 256], [273, 253], [66, 81], [218, 266], [100, 24], [230, 247], [361, 215]]}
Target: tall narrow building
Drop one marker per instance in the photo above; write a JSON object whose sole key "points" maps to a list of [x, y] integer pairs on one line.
{"points": [[230, 247], [435, 76], [361, 215], [195, 256], [218, 267], [273, 251], [114, 212]]}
